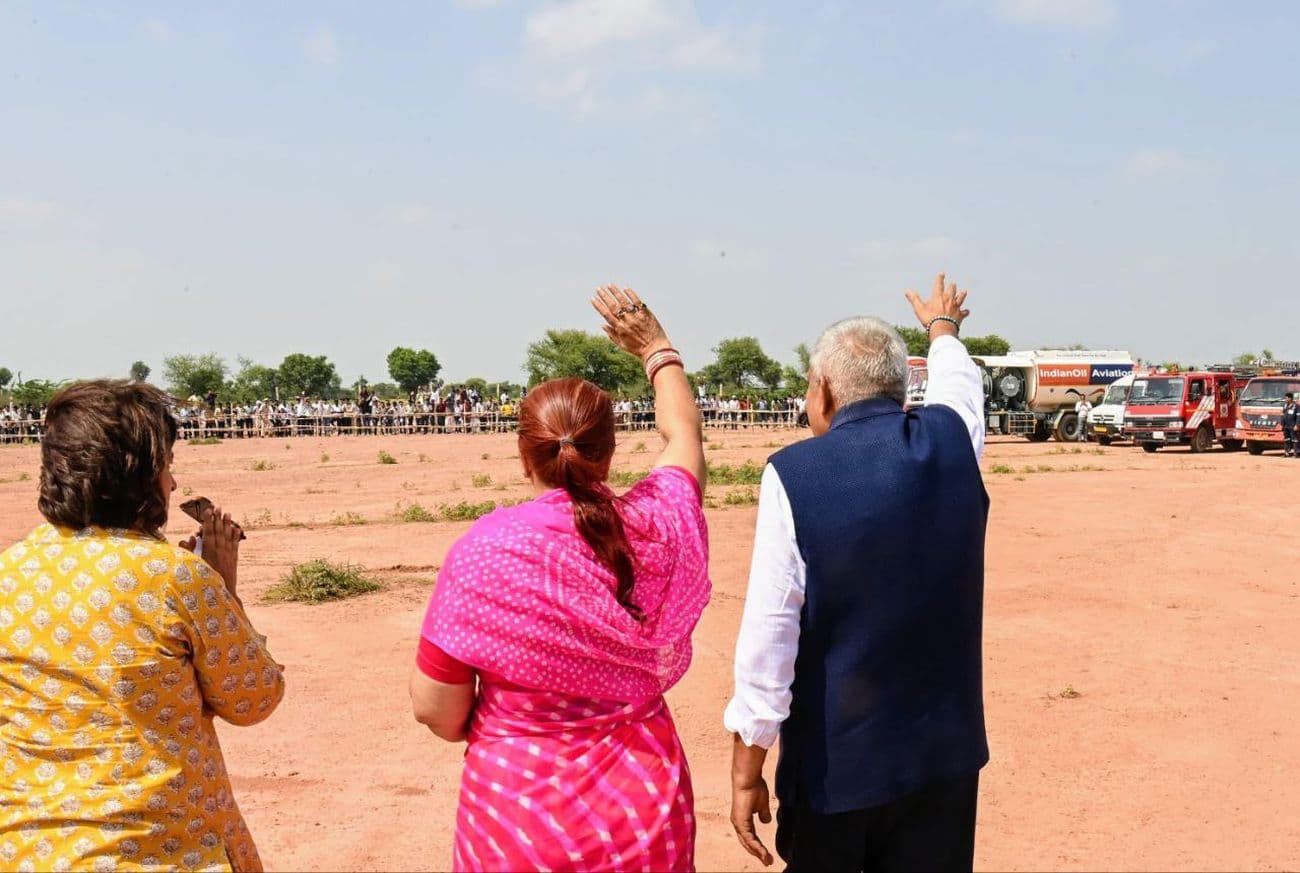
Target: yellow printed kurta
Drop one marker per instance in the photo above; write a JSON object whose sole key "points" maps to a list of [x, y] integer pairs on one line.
{"points": [[116, 651]]}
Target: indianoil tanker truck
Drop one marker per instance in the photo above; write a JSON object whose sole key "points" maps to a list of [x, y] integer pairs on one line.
{"points": [[1034, 393]]}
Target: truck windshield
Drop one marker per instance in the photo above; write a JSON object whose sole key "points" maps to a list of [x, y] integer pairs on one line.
{"points": [[1268, 392], [1156, 391], [1116, 395]]}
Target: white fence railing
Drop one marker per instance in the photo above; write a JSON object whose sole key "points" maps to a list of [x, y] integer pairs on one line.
{"points": [[238, 426]]}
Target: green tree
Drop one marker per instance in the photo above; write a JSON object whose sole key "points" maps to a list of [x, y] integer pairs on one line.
{"points": [[986, 345], [741, 362], [35, 392], [5, 376], [313, 376], [794, 379], [583, 355], [140, 372], [918, 343], [252, 383], [917, 340], [412, 368], [194, 375], [387, 391]]}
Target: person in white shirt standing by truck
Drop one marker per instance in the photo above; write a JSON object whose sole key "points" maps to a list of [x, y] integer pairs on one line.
{"points": [[1290, 422], [1081, 410]]}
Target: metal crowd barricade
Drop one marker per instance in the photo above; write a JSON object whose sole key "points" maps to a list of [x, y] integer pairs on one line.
{"points": [[241, 425]]}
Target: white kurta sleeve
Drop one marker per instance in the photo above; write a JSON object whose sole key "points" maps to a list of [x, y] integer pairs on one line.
{"points": [[769, 629], [955, 381]]}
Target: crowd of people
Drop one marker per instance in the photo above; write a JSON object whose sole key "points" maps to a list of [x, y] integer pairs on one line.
{"points": [[552, 634], [454, 410]]}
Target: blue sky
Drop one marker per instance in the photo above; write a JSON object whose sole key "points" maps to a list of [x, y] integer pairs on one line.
{"points": [[340, 178]]}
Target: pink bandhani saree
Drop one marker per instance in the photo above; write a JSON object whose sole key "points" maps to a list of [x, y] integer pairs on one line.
{"points": [[573, 760]]}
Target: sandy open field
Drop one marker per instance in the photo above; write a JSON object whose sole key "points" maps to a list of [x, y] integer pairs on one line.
{"points": [[1161, 588]]}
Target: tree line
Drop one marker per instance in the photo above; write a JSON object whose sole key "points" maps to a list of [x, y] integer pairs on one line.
{"points": [[739, 366]]}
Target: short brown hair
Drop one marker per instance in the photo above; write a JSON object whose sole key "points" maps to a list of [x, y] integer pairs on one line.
{"points": [[106, 445]]}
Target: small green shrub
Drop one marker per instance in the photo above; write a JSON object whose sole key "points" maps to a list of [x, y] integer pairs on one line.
{"points": [[741, 497], [324, 458], [1001, 469], [639, 449], [481, 480], [422, 458], [204, 441], [465, 511], [348, 519], [626, 478], [386, 458], [318, 581], [414, 513], [262, 466], [261, 519], [1069, 693], [747, 473], [484, 456]]}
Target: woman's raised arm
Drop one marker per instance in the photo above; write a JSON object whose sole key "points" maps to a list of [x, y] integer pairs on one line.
{"points": [[635, 329]]}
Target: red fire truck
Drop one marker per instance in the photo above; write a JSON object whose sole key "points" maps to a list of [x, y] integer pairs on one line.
{"points": [[1259, 420], [1183, 409]]}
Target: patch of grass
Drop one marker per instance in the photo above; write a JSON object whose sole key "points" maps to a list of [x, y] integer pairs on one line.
{"points": [[187, 491], [626, 478], [204, 441], [319, 581], [414, 513], [465, 511], [484, 456], [324, 457], [261, 519], [713, 448], [385, 458], [1069, 693], [262, 466], [347, 519], [288, 446], [21, 477], [747, 473], [741, 497], [481, 480], [639, 449], [1001, 469], [422, 458]]}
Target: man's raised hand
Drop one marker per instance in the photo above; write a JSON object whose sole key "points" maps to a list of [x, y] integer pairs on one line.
{"points": [[946, 300]]}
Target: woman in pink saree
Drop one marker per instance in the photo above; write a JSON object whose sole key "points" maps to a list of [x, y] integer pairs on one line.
{"points": [[556, 627]]}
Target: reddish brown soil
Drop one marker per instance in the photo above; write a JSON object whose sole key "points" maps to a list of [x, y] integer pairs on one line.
{"points": [[1162, 589]]}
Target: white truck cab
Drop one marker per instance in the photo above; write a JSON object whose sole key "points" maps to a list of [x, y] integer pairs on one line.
{"points": [[1106, 421]]}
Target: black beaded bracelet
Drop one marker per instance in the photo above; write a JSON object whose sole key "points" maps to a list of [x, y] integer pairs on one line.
{"points": [[948, 318]]}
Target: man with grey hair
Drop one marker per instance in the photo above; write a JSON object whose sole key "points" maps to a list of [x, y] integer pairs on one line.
{"points": [[860, 645]]}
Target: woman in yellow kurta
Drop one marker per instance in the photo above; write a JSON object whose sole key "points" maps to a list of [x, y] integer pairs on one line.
{"points": [[116, 652]]}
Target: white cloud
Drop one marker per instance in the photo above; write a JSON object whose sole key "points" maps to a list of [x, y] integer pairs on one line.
{"points": [[17, 212], [159, 31], [603, 56], [321, 46], [584, 25], [1079, 14], [1162, 165]]}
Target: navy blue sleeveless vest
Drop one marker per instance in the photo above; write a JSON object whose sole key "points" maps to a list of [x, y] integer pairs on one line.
{"points": [[889, 512]]}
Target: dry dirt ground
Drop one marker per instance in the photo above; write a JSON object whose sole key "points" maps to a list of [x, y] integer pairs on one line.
{"points": [[1160, 589]]}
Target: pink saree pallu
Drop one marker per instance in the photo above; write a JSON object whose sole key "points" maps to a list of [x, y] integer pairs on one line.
{"points": [[573, 760]]}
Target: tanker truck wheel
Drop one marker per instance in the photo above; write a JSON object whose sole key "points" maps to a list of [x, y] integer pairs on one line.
{"points": [[1104, 440], [1067, 429], [1040, 433], [1149, 448], [1204, 440], [1233, 445], [1255, 447]]}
